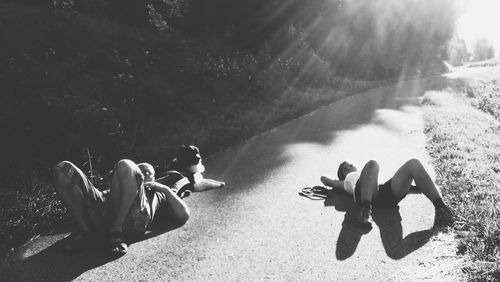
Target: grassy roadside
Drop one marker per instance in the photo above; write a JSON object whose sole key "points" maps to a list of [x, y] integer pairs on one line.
{"points": [[109, 91], [462, 124], [487, 63]]}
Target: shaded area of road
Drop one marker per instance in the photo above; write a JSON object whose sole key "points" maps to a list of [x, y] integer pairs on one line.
{"points": [[259, 228]]}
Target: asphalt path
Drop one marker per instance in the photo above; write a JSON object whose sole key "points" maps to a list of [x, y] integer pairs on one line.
{"points": [[258, 228]]}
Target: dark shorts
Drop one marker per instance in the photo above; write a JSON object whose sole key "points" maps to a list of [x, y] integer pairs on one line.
{"points": [[97, 205], [384, 199]]}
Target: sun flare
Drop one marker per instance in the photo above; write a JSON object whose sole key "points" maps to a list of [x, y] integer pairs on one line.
{"points": [[480, 19]]}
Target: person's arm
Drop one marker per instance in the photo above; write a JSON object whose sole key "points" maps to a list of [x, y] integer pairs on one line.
{"points": [[334, 183], [175, 204]]}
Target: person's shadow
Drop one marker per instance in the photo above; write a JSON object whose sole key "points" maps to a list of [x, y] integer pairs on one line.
{"points": [[53, 264], [387, 219]]}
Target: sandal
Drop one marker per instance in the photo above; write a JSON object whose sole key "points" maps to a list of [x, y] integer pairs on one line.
{"points": [[76, 241], [184, 191], [117, 245], [314, 193]]}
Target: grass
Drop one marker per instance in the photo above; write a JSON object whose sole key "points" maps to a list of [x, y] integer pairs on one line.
{"points": [[109, 91], [486, 63], [467, 162]]}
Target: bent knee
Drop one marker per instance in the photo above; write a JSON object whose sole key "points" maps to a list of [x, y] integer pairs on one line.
{"points": [[125, 166], [414, 163], [63, 174], [372, 164]]}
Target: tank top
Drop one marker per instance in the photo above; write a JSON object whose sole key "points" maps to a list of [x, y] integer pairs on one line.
{"points": [[350, 182]]}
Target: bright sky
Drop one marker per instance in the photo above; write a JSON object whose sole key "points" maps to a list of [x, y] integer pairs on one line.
{"points": [[481, 19]]}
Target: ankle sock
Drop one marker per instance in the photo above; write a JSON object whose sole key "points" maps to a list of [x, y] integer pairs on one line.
{"points": [[438, 203]]}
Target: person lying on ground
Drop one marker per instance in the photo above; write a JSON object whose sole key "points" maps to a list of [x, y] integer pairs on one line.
{"points": [[129, 207], [367, 192]]}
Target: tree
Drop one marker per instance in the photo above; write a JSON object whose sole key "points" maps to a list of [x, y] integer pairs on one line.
{"points": [[482, 50], [457, 51]]}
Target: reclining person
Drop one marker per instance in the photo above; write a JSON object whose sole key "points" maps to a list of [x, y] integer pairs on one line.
{"points": [[367, 192], [128, 207]]}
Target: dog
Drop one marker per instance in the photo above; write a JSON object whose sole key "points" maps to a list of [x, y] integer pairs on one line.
{"points": [[188, 165], [188, 162]]}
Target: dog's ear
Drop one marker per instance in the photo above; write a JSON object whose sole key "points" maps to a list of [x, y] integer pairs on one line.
{"points": [[195, 149]]}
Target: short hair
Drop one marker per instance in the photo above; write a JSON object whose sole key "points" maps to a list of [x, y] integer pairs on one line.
{"points": [[340, 172]]}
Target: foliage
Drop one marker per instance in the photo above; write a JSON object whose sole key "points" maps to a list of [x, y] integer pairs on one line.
{"points": [[488, 63], [369, 39], [482, 50], [77, 86], [457, 52], [372, 39], [467, 160], [135, 79], [485, 96], [32, 209]]}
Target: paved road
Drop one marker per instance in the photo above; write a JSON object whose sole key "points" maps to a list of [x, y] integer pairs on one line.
{"points": [[258, 228]]}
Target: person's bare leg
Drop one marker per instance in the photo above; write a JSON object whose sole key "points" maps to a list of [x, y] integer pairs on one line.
{"points": [[207, 184], [413, 170], [124, 189], [368, 181], [72, 197]]}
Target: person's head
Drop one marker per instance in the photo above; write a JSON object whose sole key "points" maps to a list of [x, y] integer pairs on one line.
{"points": [[344, 169], [148, 171]]}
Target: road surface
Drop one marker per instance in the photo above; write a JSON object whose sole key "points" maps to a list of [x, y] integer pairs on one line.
{"points": [[258, 228]]}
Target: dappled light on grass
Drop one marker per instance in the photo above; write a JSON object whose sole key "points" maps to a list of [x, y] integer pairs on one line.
{"points": [[120, 91], [462, 125]]}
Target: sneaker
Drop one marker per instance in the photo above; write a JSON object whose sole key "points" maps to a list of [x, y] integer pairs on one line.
{"points": [[364, 220], [443, 216], [117, 245]]}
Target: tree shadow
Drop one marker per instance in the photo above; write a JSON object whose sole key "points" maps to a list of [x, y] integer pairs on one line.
{"points": [[387, 219], [53, 264], [267, 154]]}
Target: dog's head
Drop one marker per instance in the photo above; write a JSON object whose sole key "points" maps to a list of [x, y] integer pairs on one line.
{"points": [[188, 155], [189, 158]]}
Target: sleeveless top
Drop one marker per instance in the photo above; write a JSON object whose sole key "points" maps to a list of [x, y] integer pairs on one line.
{"points": [[350, 182]]}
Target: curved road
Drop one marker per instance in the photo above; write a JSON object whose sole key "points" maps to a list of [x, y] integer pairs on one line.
{"points": [[258, 228]]}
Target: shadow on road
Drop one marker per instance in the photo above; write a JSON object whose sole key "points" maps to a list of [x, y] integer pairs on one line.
{"points": [[391, 233], [267, 153], [389, 223], [53, 264], [253, 163]]}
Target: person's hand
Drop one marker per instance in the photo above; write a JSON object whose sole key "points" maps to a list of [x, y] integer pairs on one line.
{"points": [[149, 186]]}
